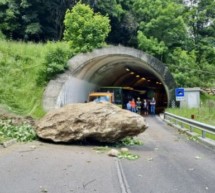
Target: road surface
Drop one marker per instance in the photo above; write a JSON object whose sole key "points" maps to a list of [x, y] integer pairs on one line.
{"points": [[168, 163]]}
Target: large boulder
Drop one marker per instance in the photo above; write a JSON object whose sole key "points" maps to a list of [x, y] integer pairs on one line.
{"points": [[103, 122]]}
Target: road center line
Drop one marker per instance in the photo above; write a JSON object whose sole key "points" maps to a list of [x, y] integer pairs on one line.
{"points": [[122, 179]]}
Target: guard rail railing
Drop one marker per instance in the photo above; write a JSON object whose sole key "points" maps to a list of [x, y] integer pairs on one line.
{"points": [[189, 124]]}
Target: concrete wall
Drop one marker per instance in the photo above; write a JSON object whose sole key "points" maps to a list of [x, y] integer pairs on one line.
{"points": [[64, 90], [74, 91], [191, 98]]}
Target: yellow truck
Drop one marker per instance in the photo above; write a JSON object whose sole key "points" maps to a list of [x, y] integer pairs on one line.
{"points": [[101, 97]]}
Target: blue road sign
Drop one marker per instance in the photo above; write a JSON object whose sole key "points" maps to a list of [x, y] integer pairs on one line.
{"points": [[179, 94]]}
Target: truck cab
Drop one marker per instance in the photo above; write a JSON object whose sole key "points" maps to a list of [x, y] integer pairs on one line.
{"points": [[101, 97]]}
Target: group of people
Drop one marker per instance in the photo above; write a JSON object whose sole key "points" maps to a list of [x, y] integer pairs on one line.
{"points": [[145, 106]]}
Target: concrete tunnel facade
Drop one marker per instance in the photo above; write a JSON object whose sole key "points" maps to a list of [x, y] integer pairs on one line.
{"points": [[110, 66]]}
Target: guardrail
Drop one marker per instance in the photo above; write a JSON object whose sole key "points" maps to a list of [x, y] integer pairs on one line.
{"points": [[182, 122]]}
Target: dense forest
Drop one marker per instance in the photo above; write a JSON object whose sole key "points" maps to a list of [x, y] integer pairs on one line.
{"points": [[180, 33]]}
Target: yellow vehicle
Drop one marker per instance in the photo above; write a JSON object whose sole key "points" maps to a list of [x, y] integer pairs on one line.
{"points": [[101, 97]]}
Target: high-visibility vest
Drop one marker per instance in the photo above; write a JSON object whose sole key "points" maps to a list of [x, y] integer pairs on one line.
{"points": [[133, 104]]}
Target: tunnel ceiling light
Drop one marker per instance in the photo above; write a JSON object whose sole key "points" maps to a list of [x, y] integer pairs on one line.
{"points": [[149, 80], [127, 69], [143, 78], [137, 76], [131, 72]]}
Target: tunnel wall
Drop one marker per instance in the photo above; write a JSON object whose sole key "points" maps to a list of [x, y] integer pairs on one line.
{"points": [[65, 90], [74, 91], [72, 87]]}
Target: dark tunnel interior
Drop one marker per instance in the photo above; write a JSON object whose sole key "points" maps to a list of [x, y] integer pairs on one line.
{"points": [[128, 72]]}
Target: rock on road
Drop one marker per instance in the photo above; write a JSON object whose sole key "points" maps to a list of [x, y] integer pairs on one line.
{"points": [[168, 163]]}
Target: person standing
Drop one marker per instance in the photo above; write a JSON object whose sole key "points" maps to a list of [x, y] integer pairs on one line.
{"points": [[133, 105], [139, 104], [145, 107], [152, 106], [128, 105]]}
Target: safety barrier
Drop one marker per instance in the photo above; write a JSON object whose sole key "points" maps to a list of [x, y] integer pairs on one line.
{"points": [[189, 124]]}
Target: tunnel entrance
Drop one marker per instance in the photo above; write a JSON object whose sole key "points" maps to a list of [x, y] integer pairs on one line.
{"points": [[123, 95], [114, 66]]}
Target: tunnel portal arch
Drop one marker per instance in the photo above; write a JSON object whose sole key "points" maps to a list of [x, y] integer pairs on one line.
{"points": [[109, 66]]}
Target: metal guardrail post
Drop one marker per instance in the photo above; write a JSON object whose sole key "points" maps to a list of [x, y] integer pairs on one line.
{"points": [[192, 123], [191, 128], [203, 134]]}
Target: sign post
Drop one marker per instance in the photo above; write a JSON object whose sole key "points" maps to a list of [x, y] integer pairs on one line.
{"points": [[179, 94]]}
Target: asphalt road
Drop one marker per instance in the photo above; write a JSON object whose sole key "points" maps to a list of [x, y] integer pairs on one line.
{"points": [[168, 163]]}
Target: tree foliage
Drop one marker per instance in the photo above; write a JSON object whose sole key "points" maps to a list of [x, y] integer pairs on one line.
{"points": [[122, 20], [85, 30], [161, 30], [181, 35], [167, 29], [55, 62], [33, 19]]}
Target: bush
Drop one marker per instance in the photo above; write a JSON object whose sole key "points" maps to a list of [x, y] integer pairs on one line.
{"points": [[21, 133], [55, 62]]}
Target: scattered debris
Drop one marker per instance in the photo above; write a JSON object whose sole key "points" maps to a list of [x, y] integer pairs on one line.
{"points": [[192, 138], [113, 153], [128, 155], [131, 141], [123, 152], [101, 149], [9, 143], [124, 149], [198, 157], [191, 169], [43, 190], [150, 159], [33, 146]]}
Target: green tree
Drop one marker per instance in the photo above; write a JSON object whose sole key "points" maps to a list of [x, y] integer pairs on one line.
{"points": [[123, 23], [200, 17], [85, 30], [183, 67], [33, 19], [10, 18], [20, 19], [201, 22], [52, 17], [161, 26]]}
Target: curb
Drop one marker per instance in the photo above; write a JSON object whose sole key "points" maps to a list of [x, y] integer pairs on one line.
{"points": [[208, 142], [8, 143], [205, 141]]}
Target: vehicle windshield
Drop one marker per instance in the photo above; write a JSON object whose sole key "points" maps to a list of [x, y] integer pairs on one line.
{"points": [[98, 98]]}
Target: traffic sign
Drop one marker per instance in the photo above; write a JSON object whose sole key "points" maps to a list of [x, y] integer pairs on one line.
{"points": [[179, 94]]}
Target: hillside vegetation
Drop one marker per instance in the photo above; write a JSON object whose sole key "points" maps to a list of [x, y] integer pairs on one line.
{"points": [[19, 66], [181, 34], [178, 34], [205, 113]]}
